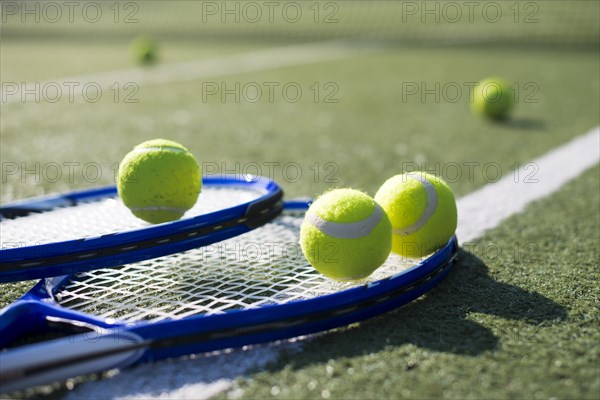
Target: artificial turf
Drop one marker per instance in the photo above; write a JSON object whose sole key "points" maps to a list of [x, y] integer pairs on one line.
{"points": [[373, 131]]}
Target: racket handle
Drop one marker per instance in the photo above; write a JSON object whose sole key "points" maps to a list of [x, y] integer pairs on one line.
{"points": [[43, 363]]}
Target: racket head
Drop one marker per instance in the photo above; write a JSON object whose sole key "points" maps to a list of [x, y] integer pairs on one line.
{"points": [[212, 301], [197, 301], [90, 229]]}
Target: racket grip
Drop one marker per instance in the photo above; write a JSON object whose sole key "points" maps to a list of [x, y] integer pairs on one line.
{"points": [[43, 363]]}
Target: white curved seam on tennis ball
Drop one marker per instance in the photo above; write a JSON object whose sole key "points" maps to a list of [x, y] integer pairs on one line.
{"points": [[161, 148], [353, 230], [432, 201]]}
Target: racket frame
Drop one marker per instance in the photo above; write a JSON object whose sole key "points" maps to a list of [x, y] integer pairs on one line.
{"points": [[80, 255]]}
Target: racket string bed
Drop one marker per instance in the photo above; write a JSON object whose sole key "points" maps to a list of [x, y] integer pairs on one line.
{"points": [[97, 218], [260, 268], [91, 229]]}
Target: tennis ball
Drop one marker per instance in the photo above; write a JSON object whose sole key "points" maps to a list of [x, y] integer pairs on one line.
{"points": [[422, 210], [346, 235], [159, 180], [493, 98], [143, 50]]}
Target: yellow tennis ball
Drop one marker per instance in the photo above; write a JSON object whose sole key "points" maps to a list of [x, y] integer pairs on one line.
{"points": [[346, 235], [143, 50], [422, 210], [159, 180], [493, 98]]}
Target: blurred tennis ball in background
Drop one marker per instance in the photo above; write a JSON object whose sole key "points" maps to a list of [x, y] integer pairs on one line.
{"points": [[143, 50], [159, 180], [422, 210], [493, 98], [346, 235]]}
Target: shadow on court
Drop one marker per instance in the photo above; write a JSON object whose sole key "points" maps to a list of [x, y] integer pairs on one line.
{"points": [[440, 321], [524, 123]]}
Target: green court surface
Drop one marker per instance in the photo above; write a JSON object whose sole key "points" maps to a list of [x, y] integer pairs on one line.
{"points": [[518, 316]]}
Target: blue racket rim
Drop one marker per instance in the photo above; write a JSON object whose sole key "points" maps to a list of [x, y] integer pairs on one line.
{"points": [[28, 256]]}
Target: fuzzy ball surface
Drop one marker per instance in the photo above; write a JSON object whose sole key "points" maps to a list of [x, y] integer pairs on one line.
{"points": [[144, 50], [493, 98], [159, 180], [422, 210], [346, 235]]}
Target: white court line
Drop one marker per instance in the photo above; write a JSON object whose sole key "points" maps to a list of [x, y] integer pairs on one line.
{"points": [[13, 92], [488, 207], [479, 211], [197, 379]]}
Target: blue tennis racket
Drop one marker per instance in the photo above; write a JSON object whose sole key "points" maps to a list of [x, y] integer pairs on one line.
{"points": [[91, 229], [253, 288]]}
